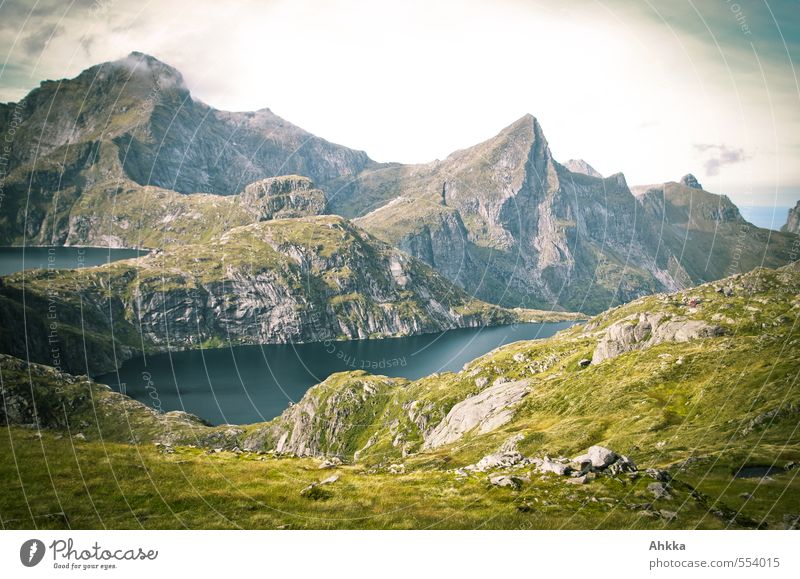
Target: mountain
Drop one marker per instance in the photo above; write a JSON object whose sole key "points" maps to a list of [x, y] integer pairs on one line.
{"points": [[130, 124], [695, 426], [122, 155], [582, 167], [508, 223], [792, 224], [304, 279]]}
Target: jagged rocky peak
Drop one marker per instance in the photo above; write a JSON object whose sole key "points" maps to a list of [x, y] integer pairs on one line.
{"points": [[283, 197], [581, 166], [792, 224], [690, 180]]}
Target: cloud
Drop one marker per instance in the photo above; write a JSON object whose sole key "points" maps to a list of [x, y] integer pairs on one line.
{"points": [[719, 155], [35, 42]]}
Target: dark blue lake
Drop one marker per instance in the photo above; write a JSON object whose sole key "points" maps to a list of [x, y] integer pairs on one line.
{"points": [[14, 259], [246, 384]]}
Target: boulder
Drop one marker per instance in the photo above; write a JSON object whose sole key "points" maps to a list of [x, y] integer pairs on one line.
{"points": [[658, 474], [559, 468], [659, 490], [600, 456], [332, 462], [504, 480], [484, 412], [644, 330], [621, 465], [499, 459], [668, 515]]}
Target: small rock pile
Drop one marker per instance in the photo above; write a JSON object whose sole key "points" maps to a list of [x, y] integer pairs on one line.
{"points": [[597, 460]]}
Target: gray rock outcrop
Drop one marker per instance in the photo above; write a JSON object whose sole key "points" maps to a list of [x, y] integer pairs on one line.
{"points": [[792, 224], [283, 197], [482, 413], [691, 181], [640, 331]]}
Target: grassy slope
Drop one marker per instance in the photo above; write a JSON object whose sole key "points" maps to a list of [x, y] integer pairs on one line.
{"points": [[718, 403]]}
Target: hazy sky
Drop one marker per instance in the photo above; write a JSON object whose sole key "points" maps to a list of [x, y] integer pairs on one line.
{"points": [[652, 89]]}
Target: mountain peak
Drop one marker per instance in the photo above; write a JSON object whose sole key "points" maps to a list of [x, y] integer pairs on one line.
{"points": [[581, 166], [690, 180], [144, 67]]}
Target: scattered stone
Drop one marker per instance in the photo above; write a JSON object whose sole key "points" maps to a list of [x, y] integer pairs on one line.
{"points": [[659, 490], [659, 474], [578, 480], [79, 436], [668, 515], [314, 490], [791, 521], [746, 496], [557, 467], [600, 456], [503, 480], [332, 462], [497, 460], [397, 469], [623, 464]]}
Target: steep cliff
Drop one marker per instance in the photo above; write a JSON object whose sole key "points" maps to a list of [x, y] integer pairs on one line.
{"points": [[792, 224], [508, 223]]}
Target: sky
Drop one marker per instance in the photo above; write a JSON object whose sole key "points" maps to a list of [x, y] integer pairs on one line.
{"points": [[652, 89]]}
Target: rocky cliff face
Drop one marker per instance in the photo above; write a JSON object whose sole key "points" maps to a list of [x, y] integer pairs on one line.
{"points": [[289, 280], [792, 224], [283, 197], [527, 230], [151, 131]]}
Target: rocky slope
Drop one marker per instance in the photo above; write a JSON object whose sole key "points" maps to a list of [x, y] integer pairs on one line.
{"points": [[792, 224], [507, 222], [285, 280], [664, 407], [132, 123], [117, 147]]}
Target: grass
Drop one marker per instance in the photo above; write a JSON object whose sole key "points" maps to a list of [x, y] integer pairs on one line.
{"points": [[61, 483]]}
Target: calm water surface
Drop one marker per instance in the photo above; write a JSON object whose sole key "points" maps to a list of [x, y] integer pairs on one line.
{"points": [[246, 384], [14, 259]]}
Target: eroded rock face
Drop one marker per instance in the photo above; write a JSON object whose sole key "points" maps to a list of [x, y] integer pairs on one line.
{"points": [[484, 412], [283, 197], [793, 221], [690, 180], [640, 331], [328, 419]]}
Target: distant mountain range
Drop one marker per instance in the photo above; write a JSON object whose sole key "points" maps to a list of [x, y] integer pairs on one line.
{"points": [[118, 155]]}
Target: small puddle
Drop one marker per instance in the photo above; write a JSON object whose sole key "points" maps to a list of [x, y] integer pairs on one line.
{"points": [[757, 471]]}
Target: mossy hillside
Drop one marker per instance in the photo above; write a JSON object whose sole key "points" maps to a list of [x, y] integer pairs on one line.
{"points": [[41, 397], [661, 404]]}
